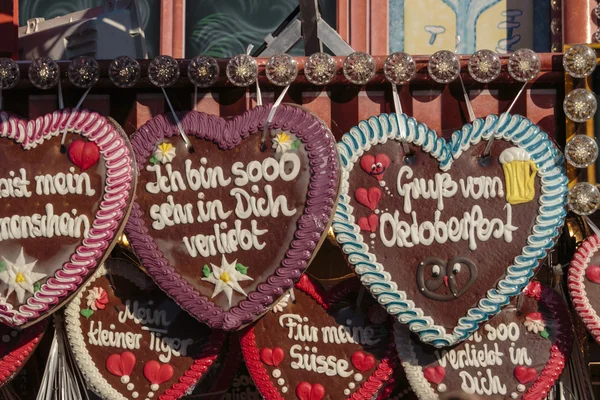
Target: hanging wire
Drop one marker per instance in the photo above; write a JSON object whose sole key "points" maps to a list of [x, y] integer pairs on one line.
{"points": [[63, 149], [178, 123], [398, 109], [488, 147], [464, 89], [263, 138]]}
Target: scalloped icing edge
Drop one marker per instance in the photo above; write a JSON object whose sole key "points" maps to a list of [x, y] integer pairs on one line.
{"points": [[581, 303], [559, 351], [516, 129], [368, 390], [94, 379], [119, 166], [227, 134]]}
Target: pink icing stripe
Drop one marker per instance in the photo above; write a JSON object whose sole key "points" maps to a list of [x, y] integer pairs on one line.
{"points": [[107, 219]]}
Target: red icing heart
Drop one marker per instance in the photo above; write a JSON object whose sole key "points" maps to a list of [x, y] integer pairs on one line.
{"points": [[306, 391], [84, 154], [272, 357], [525, 375], [375, 166], [158, 373], [593, 273], [121, 364], [368, 224], [362, 362], [368, 198], [435, 374]]}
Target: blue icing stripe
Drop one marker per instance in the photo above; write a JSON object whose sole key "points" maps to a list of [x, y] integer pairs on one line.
{"points": [[516, 129]]}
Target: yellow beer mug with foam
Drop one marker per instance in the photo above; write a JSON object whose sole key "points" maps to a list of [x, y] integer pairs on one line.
{"points": [[519, 175]]}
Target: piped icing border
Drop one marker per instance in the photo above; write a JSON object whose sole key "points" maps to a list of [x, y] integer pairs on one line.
{"points": [[322, 192], [89, 369], [581, 303], [120, 181], [367, 391], [559, 352], [516, 129], [12, 362]]}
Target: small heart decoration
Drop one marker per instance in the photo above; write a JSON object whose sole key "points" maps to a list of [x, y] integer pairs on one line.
{"points": [[84, 154], [362, 362], [435, 374], [168, 365], [15, 352], [433, 260], [593, 273], [375, 165], [266, 355], [121, 364], [369, 223], [158, 373], [267, 211], [583, 280], [306, 391], [512, 356], [525, 375], [368, 197], [315, 320], [69, 218]]}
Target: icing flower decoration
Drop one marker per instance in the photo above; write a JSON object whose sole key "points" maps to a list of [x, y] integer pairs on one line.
{"points": [[19, 276], [226, 278], [284, 141], [97, 299], [281, 304], [165, 153], [534, 322]]}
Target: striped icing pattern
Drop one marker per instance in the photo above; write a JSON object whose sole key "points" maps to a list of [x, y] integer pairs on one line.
{"points": [[576, 282], [516, 129], [117, 159]]}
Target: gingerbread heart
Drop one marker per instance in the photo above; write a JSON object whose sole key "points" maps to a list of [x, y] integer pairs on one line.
{"points": [[226, 230], [458, 236], [584, 285], [518, 354], [16, 346], [58, 218], [333, 347], [141, 344]]}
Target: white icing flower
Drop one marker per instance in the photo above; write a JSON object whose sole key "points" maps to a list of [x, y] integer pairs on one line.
{"points": [[226, 278], [281, 304], [282, 142], [165, 153], [19, 276], [534, 322], [97, 298]]}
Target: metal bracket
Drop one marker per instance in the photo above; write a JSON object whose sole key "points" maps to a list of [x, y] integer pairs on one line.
{"points": [[309, 27]]}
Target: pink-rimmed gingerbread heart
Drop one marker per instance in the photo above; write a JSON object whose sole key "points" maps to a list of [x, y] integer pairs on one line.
{"points": [[58, 219], [227, 229], [584, 284], [333, 348]]}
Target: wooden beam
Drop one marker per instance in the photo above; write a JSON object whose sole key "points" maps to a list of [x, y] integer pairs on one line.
{"points": [[166, 27]]}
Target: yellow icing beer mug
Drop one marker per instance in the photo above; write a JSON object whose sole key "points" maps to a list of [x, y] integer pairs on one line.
{"points": [[519, 175]]}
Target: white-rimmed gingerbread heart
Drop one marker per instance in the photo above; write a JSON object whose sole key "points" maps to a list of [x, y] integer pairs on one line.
{"points": [[131, 341], [60, 214], [444, 238]]}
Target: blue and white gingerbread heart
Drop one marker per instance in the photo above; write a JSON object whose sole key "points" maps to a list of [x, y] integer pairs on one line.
{"points": [[442, 236]]}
